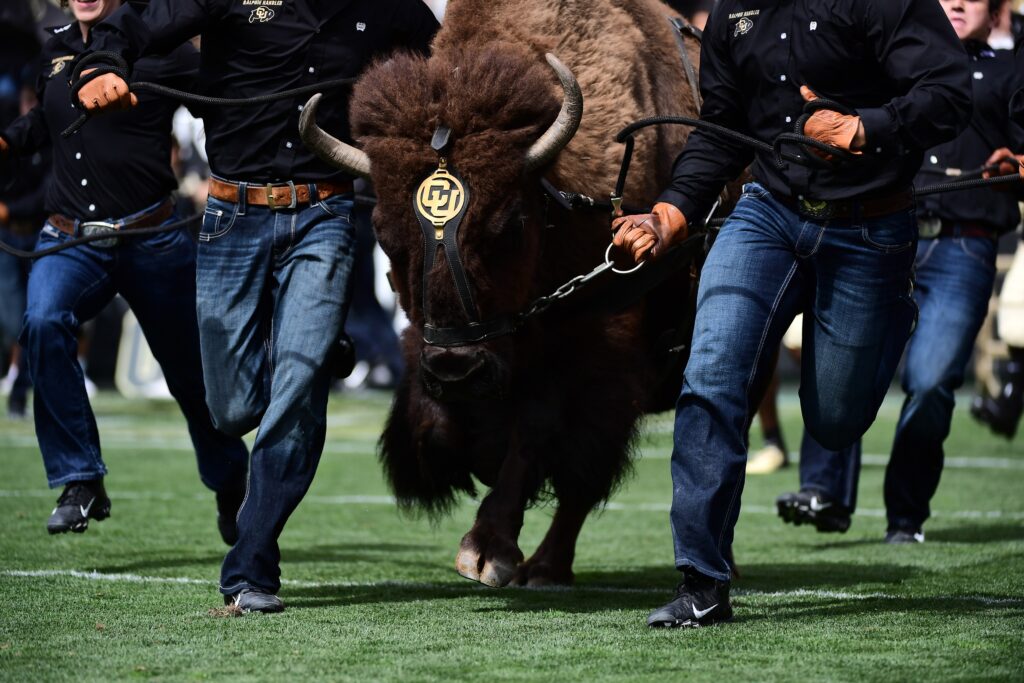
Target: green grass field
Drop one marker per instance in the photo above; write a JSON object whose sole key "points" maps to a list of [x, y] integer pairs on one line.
{"points": [[373, 596]]}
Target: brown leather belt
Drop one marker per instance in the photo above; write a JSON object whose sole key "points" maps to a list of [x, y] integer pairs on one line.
{"points": [[155, 217], [280, 196], [933, 227], [841, 209]]}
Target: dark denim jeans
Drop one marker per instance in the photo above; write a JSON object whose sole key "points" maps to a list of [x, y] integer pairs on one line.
{"points": [[834, 473], [852, 280], [273, 289], [954, 277], [156, 276]]}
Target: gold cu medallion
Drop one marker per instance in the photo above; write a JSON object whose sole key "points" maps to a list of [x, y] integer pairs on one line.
{"points": [[440, 198]]}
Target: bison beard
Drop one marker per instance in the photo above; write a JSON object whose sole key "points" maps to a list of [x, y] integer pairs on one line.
{"points": [[552, 409]]}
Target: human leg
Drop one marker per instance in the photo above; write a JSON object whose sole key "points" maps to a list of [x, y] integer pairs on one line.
{"points": [[954, 282], [312, 264]]}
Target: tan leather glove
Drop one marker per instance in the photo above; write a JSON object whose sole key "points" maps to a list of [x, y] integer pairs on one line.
{"points": [[108, 92], [647, 235], [1002, 156], [5, 214], [4, 147], [832, 128]]}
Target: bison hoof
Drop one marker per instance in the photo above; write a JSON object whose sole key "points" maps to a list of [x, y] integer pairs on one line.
{"points": [[540, 575], [491, 561]]}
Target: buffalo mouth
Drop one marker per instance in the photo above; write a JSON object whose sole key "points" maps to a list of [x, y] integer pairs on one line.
{"points": [[454, 377]]}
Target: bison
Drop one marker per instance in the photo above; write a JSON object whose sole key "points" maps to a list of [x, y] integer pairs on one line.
{"points": [[456, 146]]}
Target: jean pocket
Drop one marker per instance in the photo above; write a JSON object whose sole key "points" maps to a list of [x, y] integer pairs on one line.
{"points": [[338, 206], [980, 250], [218, 219], [755, 190], [162, 242], [890, 234]]}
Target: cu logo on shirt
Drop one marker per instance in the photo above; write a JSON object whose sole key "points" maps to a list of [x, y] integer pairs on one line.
{"points": [[743, 27], [261, 14]]}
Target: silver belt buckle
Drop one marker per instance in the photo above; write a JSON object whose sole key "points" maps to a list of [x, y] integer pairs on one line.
{"points": [[928, 228], [98, 228]]}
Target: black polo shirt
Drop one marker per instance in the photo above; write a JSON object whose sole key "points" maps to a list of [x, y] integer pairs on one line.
{"points": [[897, 62], [117, 164], [256, 47], [993, 78]]}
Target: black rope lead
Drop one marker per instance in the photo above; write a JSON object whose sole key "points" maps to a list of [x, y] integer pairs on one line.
{"points": [[111, 62], [117, 235]]}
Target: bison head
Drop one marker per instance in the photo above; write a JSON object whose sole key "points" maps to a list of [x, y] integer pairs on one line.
{"points": [[500, 108]]}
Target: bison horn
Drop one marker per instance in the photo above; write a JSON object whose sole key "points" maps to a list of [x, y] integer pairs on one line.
{"points": [[329, 148], [564, 128]]}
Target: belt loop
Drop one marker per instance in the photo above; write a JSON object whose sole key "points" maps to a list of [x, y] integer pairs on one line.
{"points": [[243, 197], [314, 198]]}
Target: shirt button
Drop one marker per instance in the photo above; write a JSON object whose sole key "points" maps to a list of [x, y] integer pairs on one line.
{"points": [[78, 155], [783, 36], [92, 207], [789, 119], [288, 145], [878, 150], [300, 107], [934, 159], [782, 77], [84, 182], [312, 70]]}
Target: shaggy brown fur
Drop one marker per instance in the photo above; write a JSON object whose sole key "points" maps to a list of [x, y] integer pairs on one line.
{"points": [[559, 401]]}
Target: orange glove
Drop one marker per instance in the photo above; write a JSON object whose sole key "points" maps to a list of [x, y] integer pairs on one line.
{"points": [[5, 214], [649, 234], [832, 128], [1002, 156], [108, 92]]}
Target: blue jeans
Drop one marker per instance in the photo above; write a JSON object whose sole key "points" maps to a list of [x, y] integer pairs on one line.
{"points": [[13, 290], [273, 289], [834, 473], [954, 283], [852, 279], [156, 276]]}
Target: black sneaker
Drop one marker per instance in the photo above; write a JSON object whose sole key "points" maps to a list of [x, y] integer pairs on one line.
{"points": [[252, 600], [903, 536], [228, 503], [813, 507], [700, 601], [80, 501]]}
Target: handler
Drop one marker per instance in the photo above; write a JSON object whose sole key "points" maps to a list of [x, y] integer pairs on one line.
{"points": [[837, 243], [116, 174], [955, 270], [276, 246]]}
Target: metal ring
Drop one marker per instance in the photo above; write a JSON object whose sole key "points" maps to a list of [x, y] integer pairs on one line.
{"points": [[608, 262]]}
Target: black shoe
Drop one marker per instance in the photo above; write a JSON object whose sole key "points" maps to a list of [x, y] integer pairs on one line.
{"points": [[80, 501], [700, 601], [228, 503], [342, 357], [903, 536], [252, 600], [1002, 412], [813, 507], [17, 408]]}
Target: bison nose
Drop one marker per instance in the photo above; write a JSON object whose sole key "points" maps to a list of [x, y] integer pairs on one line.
{"points": [[451, 366]]}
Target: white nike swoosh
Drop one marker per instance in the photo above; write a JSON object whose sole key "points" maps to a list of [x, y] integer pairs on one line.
{"points": [[85, 510], [699, 613], [817, 506]]}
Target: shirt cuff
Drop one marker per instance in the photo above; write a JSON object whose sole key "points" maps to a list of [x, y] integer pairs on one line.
{"points": [[880, 130], [681, 202]]}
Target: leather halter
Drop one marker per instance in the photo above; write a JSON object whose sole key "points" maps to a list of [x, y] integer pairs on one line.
{"points": [[440, 204]]}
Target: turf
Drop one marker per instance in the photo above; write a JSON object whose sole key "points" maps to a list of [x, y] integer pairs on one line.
{"points": [[372, 595]]}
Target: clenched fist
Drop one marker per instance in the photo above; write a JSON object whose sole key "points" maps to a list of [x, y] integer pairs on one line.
{"points": [[647, 235], [832, 128], [108, 92]]}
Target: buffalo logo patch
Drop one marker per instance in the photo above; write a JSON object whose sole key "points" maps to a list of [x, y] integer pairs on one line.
{"points": [[57, 64], [262, 14], [743, 27], [440, 198]]}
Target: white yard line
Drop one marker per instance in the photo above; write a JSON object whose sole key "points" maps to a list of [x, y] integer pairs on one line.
{"points": [[613, 506], [468, 587]]}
